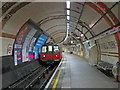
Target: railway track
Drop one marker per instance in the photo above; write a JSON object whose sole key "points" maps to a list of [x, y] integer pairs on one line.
{"points": [[36, 79]]}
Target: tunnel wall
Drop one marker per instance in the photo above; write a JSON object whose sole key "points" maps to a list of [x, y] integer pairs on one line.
{"points": [[81, 51], [86, 52], [109, 49], [93, 54], [78, 50]]}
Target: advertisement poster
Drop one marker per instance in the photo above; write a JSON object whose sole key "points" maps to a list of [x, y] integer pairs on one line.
{"points": [[31, 55], [29, 39], [26, 44], [31, 47], [87, 50], [41, 40], [19, 43]]}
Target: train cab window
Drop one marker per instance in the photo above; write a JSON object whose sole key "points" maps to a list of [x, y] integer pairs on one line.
{"points": [[44, 49], [49, 48], [56, 49]]}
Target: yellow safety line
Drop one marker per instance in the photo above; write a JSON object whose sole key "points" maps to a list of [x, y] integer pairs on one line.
{"points": [[54, 86]]}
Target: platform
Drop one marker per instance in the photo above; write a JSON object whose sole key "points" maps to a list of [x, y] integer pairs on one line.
{"points": [[75, 72]]}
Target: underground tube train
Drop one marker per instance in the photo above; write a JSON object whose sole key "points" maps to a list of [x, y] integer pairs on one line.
{"points": [[50, 53]]}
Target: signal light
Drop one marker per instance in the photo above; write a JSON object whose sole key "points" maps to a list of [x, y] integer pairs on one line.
{"points": [[114, 27], [50, 43]]}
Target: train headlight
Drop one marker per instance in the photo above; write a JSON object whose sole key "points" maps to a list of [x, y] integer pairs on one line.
{"points": [[43, 55], [57, 56]]}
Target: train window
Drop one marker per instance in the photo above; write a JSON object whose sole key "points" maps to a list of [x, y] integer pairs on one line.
{"points": [[49, 48], [56, 49], [44, 49]]}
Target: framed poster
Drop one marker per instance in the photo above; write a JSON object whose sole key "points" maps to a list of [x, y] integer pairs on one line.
{"points": [[9, 49]]}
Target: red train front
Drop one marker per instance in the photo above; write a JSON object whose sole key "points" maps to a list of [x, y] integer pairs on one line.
{"points": [[50, 53]]}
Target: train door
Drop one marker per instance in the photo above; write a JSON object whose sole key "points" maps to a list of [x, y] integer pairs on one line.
{"points": [[50, 52], [57, 53]]}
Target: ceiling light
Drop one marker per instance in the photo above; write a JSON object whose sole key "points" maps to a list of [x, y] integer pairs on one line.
{"points": [[68, 4], [67, 24], [82, 35], [68, 17], [68, 12], [68, 28], [71, 41]]}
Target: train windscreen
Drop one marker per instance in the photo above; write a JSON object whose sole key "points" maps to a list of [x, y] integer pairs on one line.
{"points": [[56, 49], [49, 48], [44, 49]]}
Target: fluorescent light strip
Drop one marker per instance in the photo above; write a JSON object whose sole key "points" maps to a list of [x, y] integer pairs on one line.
{"points": [[68, 24], [68, 28], [68, 12], [68, 17], [68, 4]]}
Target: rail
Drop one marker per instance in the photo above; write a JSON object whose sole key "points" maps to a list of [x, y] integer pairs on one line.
{"points": [[36, 79], [15, 85], [42, 75]]}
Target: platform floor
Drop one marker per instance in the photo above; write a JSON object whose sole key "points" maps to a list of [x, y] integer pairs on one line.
{"points": [[77, 73]]}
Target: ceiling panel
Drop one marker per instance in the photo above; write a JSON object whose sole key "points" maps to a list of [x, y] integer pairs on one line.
{"points": [[58, 31], [36, 11], [56, 28], [75, 14], [89, 15], [88, 35], [74, 19], [115, 9], [60, 34], [101, 26], [76, 6], [52, 23]]}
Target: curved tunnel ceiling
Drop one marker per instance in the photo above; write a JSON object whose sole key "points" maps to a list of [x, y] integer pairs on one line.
{"points": [[51, 17]]}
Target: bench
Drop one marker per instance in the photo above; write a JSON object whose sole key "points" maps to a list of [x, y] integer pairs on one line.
{"points": [[105, 65]]}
